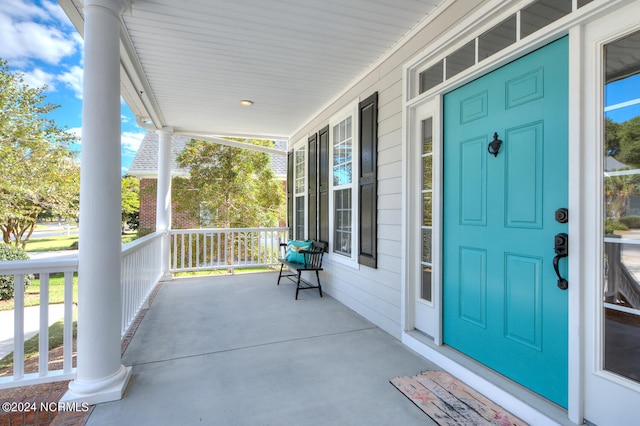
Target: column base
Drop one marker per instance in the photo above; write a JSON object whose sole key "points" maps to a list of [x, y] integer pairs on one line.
{"points": [[110, 389], [167, 276]]}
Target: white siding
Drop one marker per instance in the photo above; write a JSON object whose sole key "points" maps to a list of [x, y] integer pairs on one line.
{"points": [[376, 293]]}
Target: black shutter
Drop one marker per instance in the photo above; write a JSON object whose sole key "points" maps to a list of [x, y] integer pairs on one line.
{"points": [[368, 182], [290, 193], [323, 187], [312, 179]]}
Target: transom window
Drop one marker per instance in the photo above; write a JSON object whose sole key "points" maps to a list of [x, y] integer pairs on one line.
{"points": [[528, 20]]}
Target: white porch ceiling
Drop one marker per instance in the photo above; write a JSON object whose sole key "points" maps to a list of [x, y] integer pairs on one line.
{"points": [[187, 64]]}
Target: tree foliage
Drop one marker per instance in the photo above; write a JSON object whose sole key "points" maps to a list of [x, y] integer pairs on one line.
{"points": [[229, 187], [130, 201], [622, 141], [39, 170]]}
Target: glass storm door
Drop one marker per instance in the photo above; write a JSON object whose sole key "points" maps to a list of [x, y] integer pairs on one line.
{"points": [[612, 356], [502, 305]]}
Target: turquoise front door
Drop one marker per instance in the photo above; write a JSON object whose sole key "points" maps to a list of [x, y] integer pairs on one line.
{"points": [[501, 302]]}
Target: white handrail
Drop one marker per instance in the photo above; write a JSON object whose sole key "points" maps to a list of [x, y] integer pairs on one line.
{"points": [[44, 267], [225, 248], [191, 249], [141, 270]]}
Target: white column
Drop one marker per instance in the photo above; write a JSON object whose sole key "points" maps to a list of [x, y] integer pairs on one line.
{"points": [[100, 375], [163, 198]]}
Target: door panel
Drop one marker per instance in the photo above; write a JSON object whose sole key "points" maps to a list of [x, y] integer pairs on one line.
{"points": [[501, 303]]}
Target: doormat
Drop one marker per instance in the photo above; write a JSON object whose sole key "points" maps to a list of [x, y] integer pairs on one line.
{"points": [[450, 402]]}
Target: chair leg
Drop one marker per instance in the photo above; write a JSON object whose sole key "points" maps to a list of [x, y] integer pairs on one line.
{"points": [[319, 286], [298, 284], [280, 275]]}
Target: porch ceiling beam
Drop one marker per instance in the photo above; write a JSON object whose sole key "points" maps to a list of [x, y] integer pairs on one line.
{"points": [[236, 144]]}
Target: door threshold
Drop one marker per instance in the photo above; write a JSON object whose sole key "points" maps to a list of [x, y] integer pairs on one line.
{"points": [[513, 397]]}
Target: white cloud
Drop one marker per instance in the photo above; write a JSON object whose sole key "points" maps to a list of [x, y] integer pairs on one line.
{"points": [[22, 9], [29, 33], [54, 11], [38, 78], [72, 79], [77, 132], [131, 142]]}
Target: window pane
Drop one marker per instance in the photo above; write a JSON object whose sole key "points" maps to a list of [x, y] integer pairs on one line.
{"points": [[427, 172], [342, 222], [299, 218], [425, 290], [583, 2], [542, 13], [621, 206], [426, 245], [427, 136], [497, 38], [342, 152], [427, 215], [300, 178], [461, 59], [431, 77]]}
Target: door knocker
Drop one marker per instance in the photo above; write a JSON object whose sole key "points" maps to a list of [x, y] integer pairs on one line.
{"points": [[494, 146]]}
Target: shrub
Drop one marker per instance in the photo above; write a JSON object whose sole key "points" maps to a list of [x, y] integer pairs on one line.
{"points": [[9, 252], [632, 222], [611, 225]]}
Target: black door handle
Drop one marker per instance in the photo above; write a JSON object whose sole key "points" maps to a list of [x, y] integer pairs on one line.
{"points": [[561, 247]]}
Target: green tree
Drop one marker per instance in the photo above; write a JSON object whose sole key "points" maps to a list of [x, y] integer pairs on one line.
{"points": [[39, 170], [229, 187], [622, 141], [618, 189], [130, 201]]}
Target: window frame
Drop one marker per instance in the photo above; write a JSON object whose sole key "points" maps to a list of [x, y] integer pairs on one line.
{"points": [[299, 146], [351, 110]]}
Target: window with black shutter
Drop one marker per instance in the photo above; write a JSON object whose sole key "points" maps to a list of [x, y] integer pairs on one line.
{"points": [[312, 190], [323, 186], [368, 181], [290, 193]]}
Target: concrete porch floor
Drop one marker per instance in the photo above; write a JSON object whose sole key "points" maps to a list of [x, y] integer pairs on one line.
{"points": [[239, 350]]}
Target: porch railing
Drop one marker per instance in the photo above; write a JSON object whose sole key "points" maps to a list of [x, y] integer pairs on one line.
{"points": [[140, 271], [191, 250], [44, 268], [225, 248]]}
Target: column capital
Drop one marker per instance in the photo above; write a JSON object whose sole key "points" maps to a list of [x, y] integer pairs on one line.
{"points": [[116, 6], [165, 131]]}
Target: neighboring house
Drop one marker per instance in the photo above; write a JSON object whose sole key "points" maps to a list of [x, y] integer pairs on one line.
{"points": [[145, 167]]}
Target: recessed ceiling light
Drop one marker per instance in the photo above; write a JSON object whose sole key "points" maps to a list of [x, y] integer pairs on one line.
{"points": [[246, 102]]}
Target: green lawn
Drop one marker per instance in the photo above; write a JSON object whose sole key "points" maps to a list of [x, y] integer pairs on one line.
{"points": [[56, 292], [63, 242], [56, 339]]}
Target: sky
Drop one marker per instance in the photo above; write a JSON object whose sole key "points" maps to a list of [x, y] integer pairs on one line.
{"points": [[38, 40]]}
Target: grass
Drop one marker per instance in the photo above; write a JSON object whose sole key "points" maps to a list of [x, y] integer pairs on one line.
{"points": [[56, 339], [63, 242], [56, 292]]}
